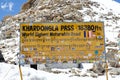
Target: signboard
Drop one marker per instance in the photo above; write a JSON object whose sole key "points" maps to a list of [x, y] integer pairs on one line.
{"points": [[61, 41]]}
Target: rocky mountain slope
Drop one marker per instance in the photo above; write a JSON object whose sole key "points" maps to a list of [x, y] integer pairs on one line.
{"points": [[58, 11]]}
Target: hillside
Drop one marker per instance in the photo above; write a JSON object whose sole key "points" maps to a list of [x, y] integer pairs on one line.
{"points": [[60, 11]]}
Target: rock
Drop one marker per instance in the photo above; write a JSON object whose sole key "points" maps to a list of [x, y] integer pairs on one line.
{"points": [[115, 71], [76, 6], [80, 66], [114, 64], [119, 35], [42, 7], [76, 71], [55, 13], [6, 17], [112, 58], [78, 16], [77, 75], [56, 72], [58, 19], [1, 57], [66, 10], [94, 75], [25, 7], [28, 5], [68, 16], [84, 75], [98, 68]]}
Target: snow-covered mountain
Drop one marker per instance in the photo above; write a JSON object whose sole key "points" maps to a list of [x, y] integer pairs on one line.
{"points": [[106, 11]]}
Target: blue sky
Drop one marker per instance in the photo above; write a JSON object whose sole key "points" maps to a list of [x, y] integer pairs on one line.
{"points": [[118, 1], [10, 7]]}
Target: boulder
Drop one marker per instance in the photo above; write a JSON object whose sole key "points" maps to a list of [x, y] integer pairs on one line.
{"points": [[1, 57], [94, 75], [56, 72], [80, 65], [115, 71], [76, 5], [84, 75], [114, 64], [98, 68]]}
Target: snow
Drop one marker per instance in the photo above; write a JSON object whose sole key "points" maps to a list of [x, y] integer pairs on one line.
{"points": [[11, 72], [111, 4], [110, 32]]}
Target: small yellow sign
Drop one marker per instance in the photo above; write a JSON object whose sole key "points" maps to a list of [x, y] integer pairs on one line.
{"points": [[40, 42]]}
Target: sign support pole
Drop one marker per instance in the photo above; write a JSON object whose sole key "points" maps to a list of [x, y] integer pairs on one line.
{"points": [[106, 70], [20, 72], [106, 65]]}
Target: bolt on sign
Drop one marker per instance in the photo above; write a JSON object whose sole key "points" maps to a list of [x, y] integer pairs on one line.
{"points": [[40, 42]]}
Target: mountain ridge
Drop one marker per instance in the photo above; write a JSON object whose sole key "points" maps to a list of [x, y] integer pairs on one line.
{"points": [[57, 11]]}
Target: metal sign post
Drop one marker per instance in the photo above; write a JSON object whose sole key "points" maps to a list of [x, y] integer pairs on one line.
{"points": [[106, 71], [20, 72], [106, 66]]}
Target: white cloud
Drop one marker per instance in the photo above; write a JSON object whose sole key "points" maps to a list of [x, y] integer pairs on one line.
{"points": [[7, 5], [3, 5], [10, 5]]}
